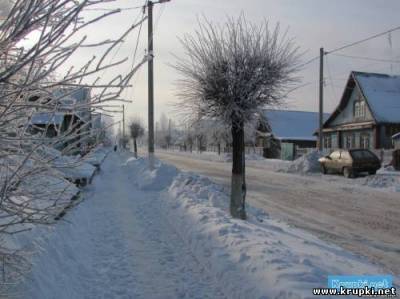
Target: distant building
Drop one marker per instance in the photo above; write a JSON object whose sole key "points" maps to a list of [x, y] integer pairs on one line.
{"points": [[368, 114], [283, 132], [65, 111]]}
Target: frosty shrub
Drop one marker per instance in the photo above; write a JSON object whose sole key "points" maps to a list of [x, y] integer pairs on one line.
{"points": [[229, 73], [38, 38]]}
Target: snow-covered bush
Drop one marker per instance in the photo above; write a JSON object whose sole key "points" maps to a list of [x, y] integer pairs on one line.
{"points": [[38, 40]]}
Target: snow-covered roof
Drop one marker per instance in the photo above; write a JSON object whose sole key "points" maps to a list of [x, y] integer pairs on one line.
{"points": [[293, 125], [396, 136], [45, 118], [382, 93], [75, 99]]}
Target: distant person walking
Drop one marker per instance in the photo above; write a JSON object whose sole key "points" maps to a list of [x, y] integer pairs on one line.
{"points": [[115, 148]]}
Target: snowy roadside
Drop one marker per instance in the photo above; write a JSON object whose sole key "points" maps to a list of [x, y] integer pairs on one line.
{"points": [[168, 234], [212, 156], [269, 258], [386, 179], [307, 165]]}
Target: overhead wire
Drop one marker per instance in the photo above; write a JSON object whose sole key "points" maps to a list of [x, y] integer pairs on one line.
{"points": [[366, 58], [334, 95], [112, 9], [362, 40], [131, 91]]}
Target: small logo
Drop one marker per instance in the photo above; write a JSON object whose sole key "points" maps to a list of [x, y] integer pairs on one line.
{"points": [[360, 281]]}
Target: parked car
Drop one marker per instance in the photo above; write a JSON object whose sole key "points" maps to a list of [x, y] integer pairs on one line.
{"points": [[350, 162]]}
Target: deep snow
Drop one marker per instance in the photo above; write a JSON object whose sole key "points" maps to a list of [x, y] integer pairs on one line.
{"points": [[167, 234], [116, 244]]}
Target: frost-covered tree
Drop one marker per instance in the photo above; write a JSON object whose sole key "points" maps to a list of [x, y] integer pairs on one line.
{"points": [[188, 139], [229, 73], [38, 38], [165, 132], [136, 131]]}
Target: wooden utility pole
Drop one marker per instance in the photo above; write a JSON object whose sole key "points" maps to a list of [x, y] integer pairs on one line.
{"points": [[150, 84], [321, 99], [123, 126], [150, 5]]}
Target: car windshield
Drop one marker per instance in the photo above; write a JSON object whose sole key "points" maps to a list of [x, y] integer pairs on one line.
{"points": [[362, 154]]}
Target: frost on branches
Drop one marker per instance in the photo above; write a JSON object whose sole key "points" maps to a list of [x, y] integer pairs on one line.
{"points": [[38, 38], [230, 72]]}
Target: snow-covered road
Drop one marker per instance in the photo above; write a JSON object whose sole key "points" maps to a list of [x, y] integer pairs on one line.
{"points": [[361, 219], [118, 244]]}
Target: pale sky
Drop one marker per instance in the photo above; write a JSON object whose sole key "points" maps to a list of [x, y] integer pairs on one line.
{"points": [[312, 23]]}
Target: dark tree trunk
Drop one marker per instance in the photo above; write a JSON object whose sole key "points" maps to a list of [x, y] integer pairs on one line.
{"points": [[135, 147], [238, 185], [219, 149]]}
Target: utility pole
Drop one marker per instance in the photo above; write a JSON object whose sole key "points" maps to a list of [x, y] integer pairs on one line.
{"points": [[150, 5], [321, 99], [123, 126]]}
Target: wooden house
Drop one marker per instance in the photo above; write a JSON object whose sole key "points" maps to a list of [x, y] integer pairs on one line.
{"points": [[282, 132], [368, 114]]}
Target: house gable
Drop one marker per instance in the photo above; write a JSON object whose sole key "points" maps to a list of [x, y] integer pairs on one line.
{"points": [[355, 109], [382, 93]]}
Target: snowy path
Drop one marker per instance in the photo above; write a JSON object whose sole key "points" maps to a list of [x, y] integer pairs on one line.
{"points": [[363, 220], [119, 245]]}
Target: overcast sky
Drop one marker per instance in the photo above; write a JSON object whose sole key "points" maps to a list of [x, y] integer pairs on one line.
{"points": [[312, 23]]}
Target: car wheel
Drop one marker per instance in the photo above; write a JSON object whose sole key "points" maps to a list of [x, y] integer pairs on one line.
{"points": [[323, 169], [347, 172], [372, 172]]}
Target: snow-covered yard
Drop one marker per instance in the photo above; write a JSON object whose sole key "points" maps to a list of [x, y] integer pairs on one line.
{"points": [[168, 234]]}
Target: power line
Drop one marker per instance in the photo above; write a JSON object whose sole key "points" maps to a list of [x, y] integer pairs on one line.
{"points": [[158, 19], [113, 9], [363, 40], [330, 77], [130, 94], [367, 58], [308, 62]]}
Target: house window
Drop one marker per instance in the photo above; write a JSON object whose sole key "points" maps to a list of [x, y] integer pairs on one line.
{"points": [[356, 109], [327, 141], [350, 141], [365, 141], [334, 142], [359, 109]]}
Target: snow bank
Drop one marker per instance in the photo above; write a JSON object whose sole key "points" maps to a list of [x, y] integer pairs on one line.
{"points": [[97, 156], [388, 179], [305, 164], [151, 180], [258, 258], [72, 167]]}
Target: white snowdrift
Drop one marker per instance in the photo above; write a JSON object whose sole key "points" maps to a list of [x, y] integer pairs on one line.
{"points": [[151, 180], [96, 156], [258, 258], [387, 179], [307, 163], [72, 167]]}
